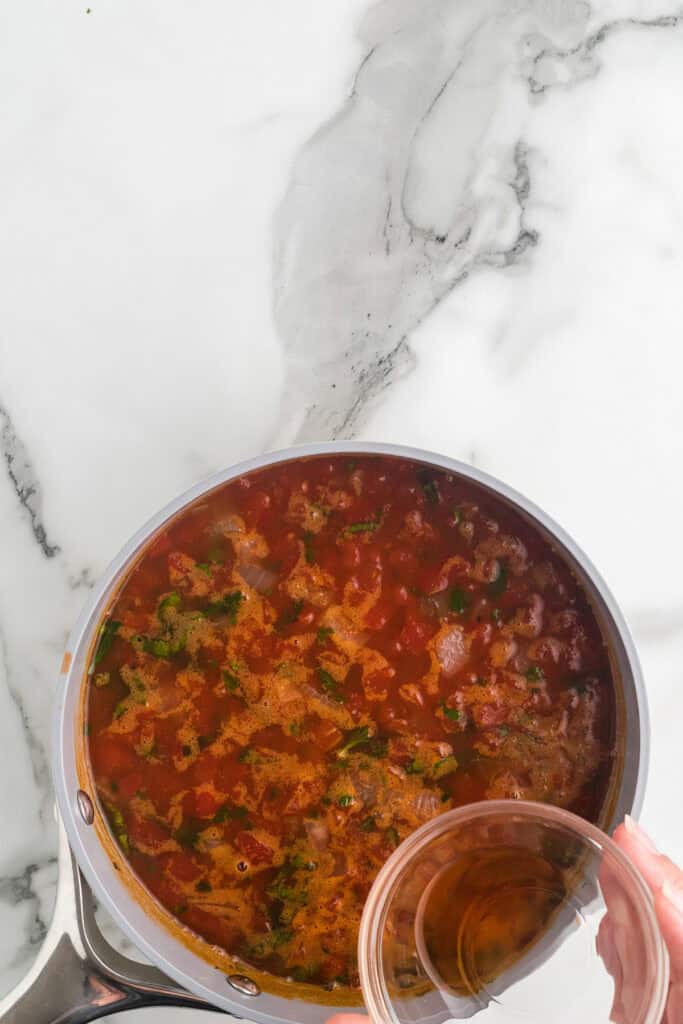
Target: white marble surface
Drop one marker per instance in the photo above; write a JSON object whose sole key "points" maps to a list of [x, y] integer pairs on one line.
{"points": [[451, 223]]}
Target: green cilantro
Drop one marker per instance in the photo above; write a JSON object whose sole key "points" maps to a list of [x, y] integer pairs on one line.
{"points": [[345, 800], [354, 739], [451, 713], [228, 605], [330, 685], [107, 634], [230, 682], [458, 601], [366, 527], [393, 836], [203, 567], [171, 600], [534, 674], [415, 767], [368, 825], [203, 885], [429, 487], [323, 635]]}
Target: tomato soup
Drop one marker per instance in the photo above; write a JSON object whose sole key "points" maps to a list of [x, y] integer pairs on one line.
{"points": [[308, 664]]}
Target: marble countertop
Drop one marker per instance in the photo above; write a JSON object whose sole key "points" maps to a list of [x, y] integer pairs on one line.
{"points": [[450, 223]]}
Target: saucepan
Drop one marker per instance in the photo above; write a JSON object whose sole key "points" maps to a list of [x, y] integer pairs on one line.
{"points": [[78, 977]]}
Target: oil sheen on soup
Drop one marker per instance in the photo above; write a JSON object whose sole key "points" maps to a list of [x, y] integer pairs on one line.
{"points": [[310, 663]]}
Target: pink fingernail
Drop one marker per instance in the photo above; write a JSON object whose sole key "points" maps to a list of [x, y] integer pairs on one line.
{"points": [[673, 895], [639, 833]]}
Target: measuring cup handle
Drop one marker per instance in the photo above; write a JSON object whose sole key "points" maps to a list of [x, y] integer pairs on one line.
{"points": [[72, 980]]}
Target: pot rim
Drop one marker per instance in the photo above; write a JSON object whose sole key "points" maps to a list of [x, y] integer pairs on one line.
{"points": [[152, 938]]}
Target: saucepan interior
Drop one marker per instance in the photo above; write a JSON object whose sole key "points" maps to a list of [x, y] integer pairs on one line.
{"points": [[97, 853]]}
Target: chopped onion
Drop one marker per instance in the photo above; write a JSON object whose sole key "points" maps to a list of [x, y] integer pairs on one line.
{"points": [[258, 576], [318, 833], [451, 650]]}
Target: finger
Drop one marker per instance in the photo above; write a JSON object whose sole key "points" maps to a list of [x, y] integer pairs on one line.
{"points": [[669, 910], [654, 866], [348, 1018]]}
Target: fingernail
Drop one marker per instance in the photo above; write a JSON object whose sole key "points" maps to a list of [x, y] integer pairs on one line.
{"points": [[639, 833], [673, 895]]}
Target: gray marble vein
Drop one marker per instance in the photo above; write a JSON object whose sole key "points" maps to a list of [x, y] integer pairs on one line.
{"points": [[24, 481], [421, 178]]}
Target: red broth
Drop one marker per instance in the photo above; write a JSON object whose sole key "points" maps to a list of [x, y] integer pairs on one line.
{"points": [[311, 662]]}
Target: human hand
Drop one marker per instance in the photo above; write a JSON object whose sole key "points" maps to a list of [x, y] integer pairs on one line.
{"points": [[665, 880]]}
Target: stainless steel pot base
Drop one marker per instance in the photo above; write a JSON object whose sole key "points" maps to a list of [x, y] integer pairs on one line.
{"points": [[78, 976]]}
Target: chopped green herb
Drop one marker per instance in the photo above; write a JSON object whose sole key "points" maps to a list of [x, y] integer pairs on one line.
{"points": [[444, 767], [120, 709], [345, 800], [295, 728], [187, 834], [415, 767], [118, 824], [299, 861], [171, 600], [230, 682], [303, 972], [354, 739], [366, 527], [458, 600], [228, 605], [445, 797], [534, 674], [393, 836], [429, 487], [248, 756], [323, 635], [231, 813], [451, 713], [107, 634], [203, 885], [368, 825], [503, 731], [377, 747], [309, 552], [290, 615], [159, 647], [330, 685], [102, 679], [180, 909], [203, 567], [499, 585]]}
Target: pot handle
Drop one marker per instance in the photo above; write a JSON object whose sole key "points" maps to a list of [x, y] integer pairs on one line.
{"points": [[77, 977]]}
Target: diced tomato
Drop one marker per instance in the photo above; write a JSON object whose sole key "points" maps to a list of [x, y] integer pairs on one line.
{"points": [[204, 769], [325, 735], [416, 633], [215, 929], [255, 851], [207, 708], [113, 757], [181, 866], [379, 615], [205, 804], [146, 833], [130, 784], [432, 579], [162, 782]]}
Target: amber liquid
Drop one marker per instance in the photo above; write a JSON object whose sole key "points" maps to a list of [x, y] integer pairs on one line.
{"points": [[485, 911]]}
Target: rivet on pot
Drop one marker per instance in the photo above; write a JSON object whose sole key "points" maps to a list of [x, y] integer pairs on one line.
{"points": [[243, 984], [85, 807]]}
